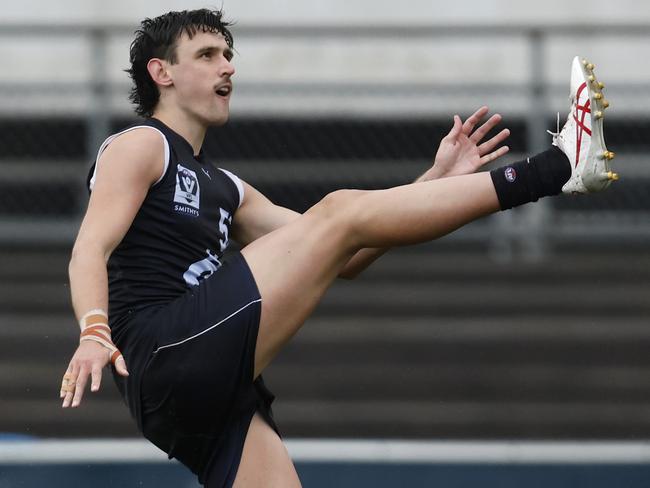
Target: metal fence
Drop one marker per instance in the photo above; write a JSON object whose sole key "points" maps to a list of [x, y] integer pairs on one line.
{"points": [[297, 138]]}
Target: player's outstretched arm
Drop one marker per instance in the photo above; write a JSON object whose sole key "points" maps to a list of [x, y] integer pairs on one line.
{"points": [[125, 172], [460, 152]]}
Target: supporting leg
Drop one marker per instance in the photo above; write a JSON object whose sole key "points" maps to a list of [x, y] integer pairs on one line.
{"points": [[265, 462]]}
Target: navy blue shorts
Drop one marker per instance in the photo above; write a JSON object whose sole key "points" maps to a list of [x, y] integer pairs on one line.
{"points": [[191, 365]]}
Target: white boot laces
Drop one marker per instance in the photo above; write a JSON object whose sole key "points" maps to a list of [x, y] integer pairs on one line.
{"points": [[556, 135]]}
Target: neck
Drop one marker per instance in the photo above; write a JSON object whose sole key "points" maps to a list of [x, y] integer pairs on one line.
{"points": [[190, 129]]}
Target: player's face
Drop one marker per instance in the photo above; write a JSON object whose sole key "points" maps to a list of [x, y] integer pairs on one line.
{"points": [[202, 77]]}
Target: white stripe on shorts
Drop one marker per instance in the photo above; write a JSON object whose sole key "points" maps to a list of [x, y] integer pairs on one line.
{"points": [[209, 328]]}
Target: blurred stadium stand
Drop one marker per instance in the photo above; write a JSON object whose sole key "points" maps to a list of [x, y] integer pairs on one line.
{"points": [[531, 324]]}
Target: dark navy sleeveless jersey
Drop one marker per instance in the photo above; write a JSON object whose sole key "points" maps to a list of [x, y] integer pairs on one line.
{"points": [[178, 236]]}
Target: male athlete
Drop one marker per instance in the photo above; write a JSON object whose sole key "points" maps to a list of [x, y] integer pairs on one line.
{"points": [[147, 277]]}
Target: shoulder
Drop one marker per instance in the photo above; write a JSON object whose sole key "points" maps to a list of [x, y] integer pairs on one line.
{"points": [[140, 141], [142, 151]]}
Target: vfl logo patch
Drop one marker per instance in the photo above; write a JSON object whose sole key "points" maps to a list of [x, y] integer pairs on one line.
{"points": [[510, 174], [188, 194]]}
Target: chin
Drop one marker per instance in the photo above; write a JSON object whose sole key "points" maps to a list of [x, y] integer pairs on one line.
{"points": [[221, 121], [216, 121]]}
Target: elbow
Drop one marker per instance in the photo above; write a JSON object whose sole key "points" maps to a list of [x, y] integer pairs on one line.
{"points": [[83, 253], [76, 258]]}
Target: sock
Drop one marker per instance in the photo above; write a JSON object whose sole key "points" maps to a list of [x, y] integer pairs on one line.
{"points": [[526, 181]]}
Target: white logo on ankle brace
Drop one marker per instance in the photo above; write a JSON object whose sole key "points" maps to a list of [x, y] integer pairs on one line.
{"points": [[510, 174]]}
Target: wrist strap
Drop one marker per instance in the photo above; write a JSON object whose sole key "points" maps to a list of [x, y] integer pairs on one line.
{"points": [[94, 327], [95, 316]]}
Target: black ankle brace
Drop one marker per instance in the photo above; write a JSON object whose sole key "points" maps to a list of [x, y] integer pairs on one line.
{"points": [[526, 181]]}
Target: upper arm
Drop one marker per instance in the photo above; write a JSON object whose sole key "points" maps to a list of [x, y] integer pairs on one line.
{"points": [[125, 171], [258, 216]]}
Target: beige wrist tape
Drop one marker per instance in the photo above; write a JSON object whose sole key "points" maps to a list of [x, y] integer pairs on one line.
{"points": [[94, 327], [95, 316]]}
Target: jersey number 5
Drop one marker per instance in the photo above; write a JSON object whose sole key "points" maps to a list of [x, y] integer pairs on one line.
{"points": [[203, 268]]}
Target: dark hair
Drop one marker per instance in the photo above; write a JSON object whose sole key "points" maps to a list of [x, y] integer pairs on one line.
{"points": [[157, 38]]}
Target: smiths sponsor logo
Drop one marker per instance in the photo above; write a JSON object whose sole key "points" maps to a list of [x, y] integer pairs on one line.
{"points": [[187, 194]]}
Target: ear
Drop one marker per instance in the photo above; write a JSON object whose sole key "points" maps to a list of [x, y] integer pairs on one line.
{"points": [[159, 73]]}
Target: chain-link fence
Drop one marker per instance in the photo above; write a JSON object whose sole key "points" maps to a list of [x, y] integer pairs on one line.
{"points": [[359, 121], [426, 344]]}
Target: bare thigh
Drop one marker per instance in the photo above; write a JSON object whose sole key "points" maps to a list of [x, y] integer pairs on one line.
{"points": [[293, 267], [265, 462]]}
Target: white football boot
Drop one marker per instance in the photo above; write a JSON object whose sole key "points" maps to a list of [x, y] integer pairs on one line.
{"points": [[581, 137]]}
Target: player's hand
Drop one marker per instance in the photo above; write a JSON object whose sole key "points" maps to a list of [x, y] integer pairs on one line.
{"points": [[461, 151], [88, 361]]}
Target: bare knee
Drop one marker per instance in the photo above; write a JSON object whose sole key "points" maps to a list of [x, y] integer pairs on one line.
{"points": [[341, 206]]}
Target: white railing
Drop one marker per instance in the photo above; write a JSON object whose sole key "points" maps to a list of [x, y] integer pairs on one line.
{"points": [[100, 451]]}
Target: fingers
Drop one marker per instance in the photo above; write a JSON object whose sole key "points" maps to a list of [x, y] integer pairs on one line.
{"points": [[68, 385], [64, 383], [490, 144], [96, 375], [85, 367], [120, 366], [455, 130], [488, 158], [474, 119], [80, 386], [482, 131]]}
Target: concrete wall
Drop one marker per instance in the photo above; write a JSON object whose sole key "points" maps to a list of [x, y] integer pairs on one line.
{"points": [[339, 11], [321, 74]]}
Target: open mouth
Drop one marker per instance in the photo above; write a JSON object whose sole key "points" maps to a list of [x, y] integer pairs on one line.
{"points": [[224, 91]]}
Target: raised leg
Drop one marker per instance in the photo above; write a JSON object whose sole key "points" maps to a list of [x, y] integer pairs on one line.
{"points": [[294, 265]]}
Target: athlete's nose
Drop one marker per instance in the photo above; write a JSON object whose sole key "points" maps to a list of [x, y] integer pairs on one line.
{"points": [[227, 68]]}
